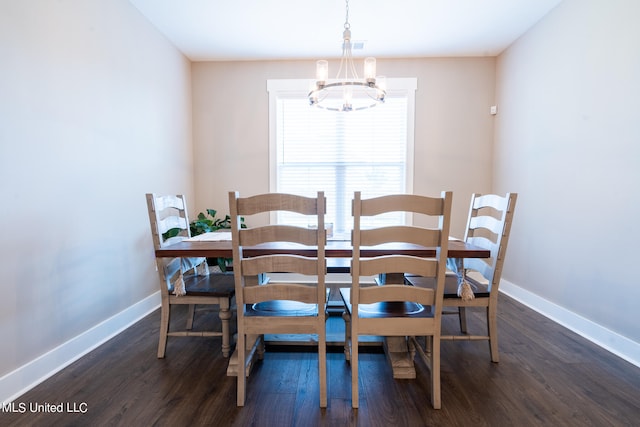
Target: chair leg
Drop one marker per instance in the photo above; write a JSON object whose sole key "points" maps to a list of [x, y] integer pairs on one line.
{"points": [[354, 370], [492, 324], [190, 316], [462, 317], [322, 367], [242, 366], [165, 317], [347, 335], [435, 372], [225, 315], [260, 348], [411, 348]]}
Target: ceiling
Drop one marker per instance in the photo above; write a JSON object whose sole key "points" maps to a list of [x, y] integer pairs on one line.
{"points": [[221, 30]]}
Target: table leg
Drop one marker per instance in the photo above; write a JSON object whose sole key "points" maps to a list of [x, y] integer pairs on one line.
{"points": [[254, 351], [396, 348], [400, 358]]}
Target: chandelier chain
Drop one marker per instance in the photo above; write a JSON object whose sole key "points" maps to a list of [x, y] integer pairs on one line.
{"points": [[346, 19]]}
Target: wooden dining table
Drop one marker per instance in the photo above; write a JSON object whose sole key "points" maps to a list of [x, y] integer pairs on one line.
{"points": [[333, 249], [338, 253]]}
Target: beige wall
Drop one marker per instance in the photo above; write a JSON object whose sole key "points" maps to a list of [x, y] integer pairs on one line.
{"points": [[568, 139], [95, 110], [453, 133]]}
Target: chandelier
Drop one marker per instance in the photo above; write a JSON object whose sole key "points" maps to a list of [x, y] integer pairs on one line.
{"points": [[347, 92]]}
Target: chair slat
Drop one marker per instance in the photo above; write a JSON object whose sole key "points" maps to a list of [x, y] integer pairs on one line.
{"points": [[482, 242], [401, 203], [406, 234], [281, 291], [171, 222], [491, 201], [278, 233], [277, 202], [280, 263], [375, 294], [169, 202], [398, 264], [488, 222]]}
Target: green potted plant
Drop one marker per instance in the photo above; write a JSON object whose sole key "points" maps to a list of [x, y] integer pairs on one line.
{"points": [[206, 223]]}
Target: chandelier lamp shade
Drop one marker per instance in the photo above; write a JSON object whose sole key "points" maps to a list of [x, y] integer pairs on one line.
{"points": [[347, 92]]}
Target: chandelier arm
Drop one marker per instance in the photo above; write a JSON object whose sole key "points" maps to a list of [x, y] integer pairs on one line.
{"points": [[343, 66], [352, 66]]}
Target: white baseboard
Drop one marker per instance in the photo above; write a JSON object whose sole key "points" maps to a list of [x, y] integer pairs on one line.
{"points": [[611, 341], [21, 380]]}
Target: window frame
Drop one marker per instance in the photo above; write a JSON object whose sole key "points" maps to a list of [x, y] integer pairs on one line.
{"points": [[298, 88]]}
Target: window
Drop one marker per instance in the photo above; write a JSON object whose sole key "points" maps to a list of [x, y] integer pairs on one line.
{"points": [[313, 149]]}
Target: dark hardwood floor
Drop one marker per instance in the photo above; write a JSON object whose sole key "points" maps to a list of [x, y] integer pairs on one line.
{"points": [[547, 375]]}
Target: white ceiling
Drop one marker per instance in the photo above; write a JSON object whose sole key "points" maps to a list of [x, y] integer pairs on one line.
{"points": [[206, 30]]}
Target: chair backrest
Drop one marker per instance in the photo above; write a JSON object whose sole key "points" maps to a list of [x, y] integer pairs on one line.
{"points": [[168, 218], [489, 226], [285, 261], [169, 221], [438, 207]]}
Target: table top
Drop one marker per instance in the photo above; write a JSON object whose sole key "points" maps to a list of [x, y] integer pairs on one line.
{"points": [[333, 249]]}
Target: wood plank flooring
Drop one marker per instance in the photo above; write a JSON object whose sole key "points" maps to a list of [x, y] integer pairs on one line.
{"points": [[546, 376]]}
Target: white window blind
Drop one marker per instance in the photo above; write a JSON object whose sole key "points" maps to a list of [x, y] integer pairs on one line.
{"points": [[340, 153]]}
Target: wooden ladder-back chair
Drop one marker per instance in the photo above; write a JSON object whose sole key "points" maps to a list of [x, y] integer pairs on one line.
{"points": [[185, 281], [398, 310], [279, 307], [488, 226]]}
